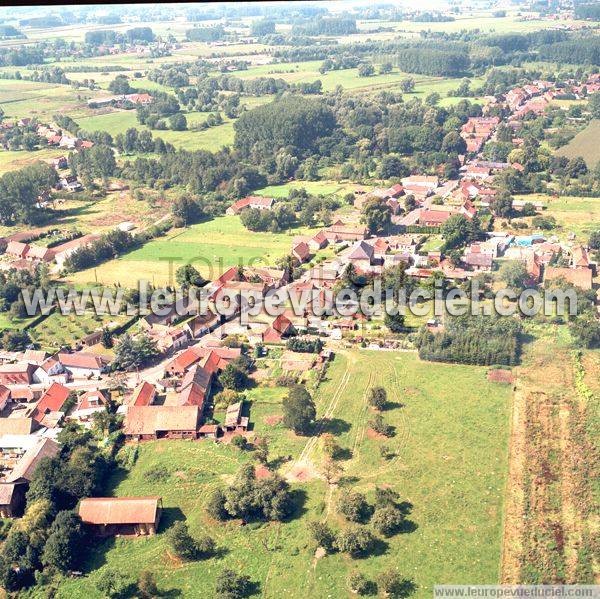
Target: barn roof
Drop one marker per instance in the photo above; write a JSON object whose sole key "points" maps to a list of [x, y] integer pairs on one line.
{"points": [[119, 510]]}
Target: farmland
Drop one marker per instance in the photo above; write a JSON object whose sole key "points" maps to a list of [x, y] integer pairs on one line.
{"points": [[450, 446], [584, 144], [210, 246]]}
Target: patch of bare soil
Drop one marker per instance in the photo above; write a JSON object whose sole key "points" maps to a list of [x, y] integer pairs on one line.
{"points": [[375, 435], [273, 420]]}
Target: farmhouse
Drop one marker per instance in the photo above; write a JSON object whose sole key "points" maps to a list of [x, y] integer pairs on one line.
{"points": [[20, 373], [12, 499], [257, 202], [27, 465], [234, 421], [143, 395], [341, 232], [109, 516], [88, 404], [64, 250], [83, 365], [161, 422], [578, 277], [51, 401]]}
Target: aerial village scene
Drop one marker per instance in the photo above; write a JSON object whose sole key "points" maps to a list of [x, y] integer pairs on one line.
{"points": [[226, 156]]}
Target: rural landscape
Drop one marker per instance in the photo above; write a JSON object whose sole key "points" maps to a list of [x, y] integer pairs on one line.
{"points": [[299, 298]]}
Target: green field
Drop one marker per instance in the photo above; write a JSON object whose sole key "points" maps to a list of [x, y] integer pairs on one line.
{"points": [[209, 139], [450, 464], [222, 242], [584, 144], [572, 214], [312, 187]]}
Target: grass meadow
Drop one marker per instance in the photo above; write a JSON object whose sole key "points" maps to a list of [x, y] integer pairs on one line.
{"points": [[450, 446], [584, 144], [211, 246]]}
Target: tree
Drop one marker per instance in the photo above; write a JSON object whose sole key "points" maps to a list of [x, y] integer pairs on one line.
{"points": [[331, 470], [454, 143], [120, 85], [394, 322], [187, 276], [215, 506], [377, 215], [594, 240], [514, 274], [113, 584], [387, 520], [178, 122], [594, 105], [385, 68], [233, 378], [366, 69], [107, 339], [187, 209], [358, 583], [379, 425], [390, 583], [502, 204], [323, 535], [407, 85], [377, 398], [231, 585], [262, 450], [299, 410], [355, 541], [456, 231], [63, 546], [134, 352], [147, 587], [354, 507], [185, 546], [240, 442]]}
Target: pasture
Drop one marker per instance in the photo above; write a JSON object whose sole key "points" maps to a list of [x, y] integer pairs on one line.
{"points": [[584, 144], [211, 247], [450, 446]]}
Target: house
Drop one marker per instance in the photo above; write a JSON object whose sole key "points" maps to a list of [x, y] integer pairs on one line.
{"points": [[161, 422], [361, 255], [12, 499], [476, 172], [341, 232], [201, 324], [430, 183], [60, 162], [20, 373], [88, 404], [51, 401], [4, 396], [39, 254], [301, 252], [318, 241], [234, 421], [83, 365], [141, 99], [27, 465], [17, 425], [478, 261], [109, 516], [580, 257], [256, 202], [143, 395], [578, 277], [280, 328], [194, 389], [17, 249], [64, 250], [205, 356], [433, 218]]}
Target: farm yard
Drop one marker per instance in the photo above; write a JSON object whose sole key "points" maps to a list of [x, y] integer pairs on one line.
{"points": [[450, 451]]}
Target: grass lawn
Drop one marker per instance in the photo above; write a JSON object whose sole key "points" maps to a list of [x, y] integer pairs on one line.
{"points": [[304, 72], [11, 160], [211, 246], [120, 120], [584, 144], [58, 329], [573, 214], [312, 187], [451, 429]]}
